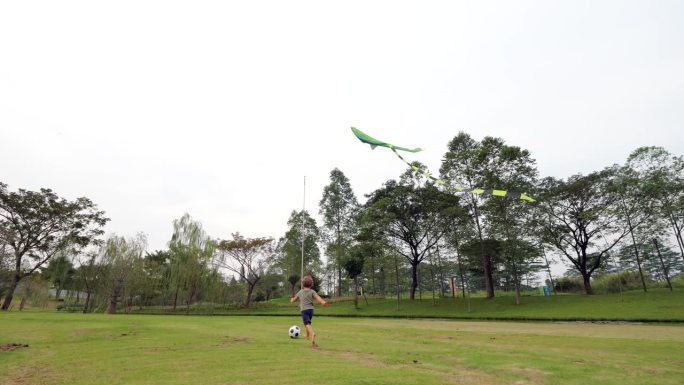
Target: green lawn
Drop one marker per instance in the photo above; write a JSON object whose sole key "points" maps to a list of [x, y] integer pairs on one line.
{"points": [[149, 349], [657, 305]]}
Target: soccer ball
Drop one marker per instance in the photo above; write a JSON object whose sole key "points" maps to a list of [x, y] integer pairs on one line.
{"points": [[294, 331]]}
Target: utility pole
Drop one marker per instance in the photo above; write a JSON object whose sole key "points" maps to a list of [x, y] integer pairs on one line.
{"points": [[302, 231]]}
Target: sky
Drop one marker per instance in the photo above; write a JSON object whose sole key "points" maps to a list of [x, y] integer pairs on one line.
{"points": [[219, 109]]}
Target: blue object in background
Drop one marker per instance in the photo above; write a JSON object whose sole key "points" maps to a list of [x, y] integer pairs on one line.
{"points": [[547, 291]]}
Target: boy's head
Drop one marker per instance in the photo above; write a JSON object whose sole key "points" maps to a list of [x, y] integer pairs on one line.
{"points": [[307, 282]]}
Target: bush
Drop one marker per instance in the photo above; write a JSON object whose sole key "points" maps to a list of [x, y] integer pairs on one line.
{"points": [[568, 285], [613, 283]]}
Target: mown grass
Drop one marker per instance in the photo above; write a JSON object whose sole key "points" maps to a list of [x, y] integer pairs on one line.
{"points": [[148, 349], [658, 305]]}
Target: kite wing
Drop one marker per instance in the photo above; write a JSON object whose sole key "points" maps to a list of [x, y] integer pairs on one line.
{"points": [[497, 193], [374, 142]]}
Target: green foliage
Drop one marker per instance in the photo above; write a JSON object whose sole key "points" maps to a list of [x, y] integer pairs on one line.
{"points": [[616, 283], [568, 285], [35, 226], [289, 250]]}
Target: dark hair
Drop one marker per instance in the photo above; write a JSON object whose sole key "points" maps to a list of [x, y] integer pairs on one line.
{"points": [[307, 282]]}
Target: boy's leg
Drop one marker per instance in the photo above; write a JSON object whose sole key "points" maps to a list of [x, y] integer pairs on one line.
{"points": [[310, 332], [306, 318]]}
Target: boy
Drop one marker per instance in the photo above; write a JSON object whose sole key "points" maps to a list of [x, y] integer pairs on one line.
{"points": [[306, 305]]}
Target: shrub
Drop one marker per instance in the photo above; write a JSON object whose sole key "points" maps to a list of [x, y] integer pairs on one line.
{"points": [[568, 285], [613, 283]]}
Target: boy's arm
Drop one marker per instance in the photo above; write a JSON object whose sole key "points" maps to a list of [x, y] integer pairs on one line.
{"points": [[293, 299], [320, 300]]}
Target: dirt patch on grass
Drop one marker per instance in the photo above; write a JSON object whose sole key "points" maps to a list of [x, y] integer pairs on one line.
{"points": [[452, 374], [12, 346], [227, 341]]}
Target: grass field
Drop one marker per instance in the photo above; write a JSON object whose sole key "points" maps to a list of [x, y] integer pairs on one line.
{"points": [[149, 349], [657, 305]]}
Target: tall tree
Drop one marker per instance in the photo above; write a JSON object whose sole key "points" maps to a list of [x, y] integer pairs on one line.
{"points": [[415, 217], [338, 206], [119, 256], [246, 257], [636, 207], [465, 164], [87, 276], [580, 212], [289, 250], [663, 175], [191, 253], [509, 168], [37, 225], [60, 272], [353, 265]]}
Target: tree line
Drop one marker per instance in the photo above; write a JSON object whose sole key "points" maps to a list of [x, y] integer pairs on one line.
{"points": [[409, 236]]}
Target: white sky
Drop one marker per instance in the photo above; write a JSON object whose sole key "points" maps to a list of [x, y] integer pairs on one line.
{"points": [[218, 109]]}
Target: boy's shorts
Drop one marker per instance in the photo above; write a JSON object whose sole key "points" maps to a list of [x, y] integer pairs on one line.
{"points": [[307, 315]]}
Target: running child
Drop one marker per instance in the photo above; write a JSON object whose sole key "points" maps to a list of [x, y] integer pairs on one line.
{"points": [[306, 305]]}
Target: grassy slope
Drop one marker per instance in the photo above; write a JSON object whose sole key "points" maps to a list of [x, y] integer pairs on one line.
{"points": [[656, 305], [135, 349]]}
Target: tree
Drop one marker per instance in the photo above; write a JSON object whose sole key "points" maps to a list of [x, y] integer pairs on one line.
{"points": [[289, 249], [191, 253], [662, 175], [465, 164], [338, 206], [579, 212], [119, 255], [353, 265], [60, 271], [246, 257], [37, 225], [87, 276], [509, 168], [415, 217]]}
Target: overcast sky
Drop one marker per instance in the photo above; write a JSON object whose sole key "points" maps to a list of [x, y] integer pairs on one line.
{"points": [[219, 109]]}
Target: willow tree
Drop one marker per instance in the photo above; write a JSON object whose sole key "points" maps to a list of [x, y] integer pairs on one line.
{"points": [[191, 255], [119, 256]]}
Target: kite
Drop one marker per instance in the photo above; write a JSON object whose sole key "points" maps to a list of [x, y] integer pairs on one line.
{"points": [[497, 193]]}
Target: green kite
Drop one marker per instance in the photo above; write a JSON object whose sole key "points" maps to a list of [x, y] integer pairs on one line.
{"points": [[498, 193]]}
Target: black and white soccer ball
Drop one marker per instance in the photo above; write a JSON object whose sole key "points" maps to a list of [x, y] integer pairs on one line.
{"points": [[294, 331]]}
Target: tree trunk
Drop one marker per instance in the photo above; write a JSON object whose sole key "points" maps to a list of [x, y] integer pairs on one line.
{"points": [[87, 302], [10, 292], [516, 283], [114, 297], [587, 284], [396, 267], [662, 264], [460, 272], [432, 283], [636, 249], [23, 303], [486, 259], [250, 289], [175, 298], [548, 269], [414, 281], [356, 292], [678, 234], [440, 266]]}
